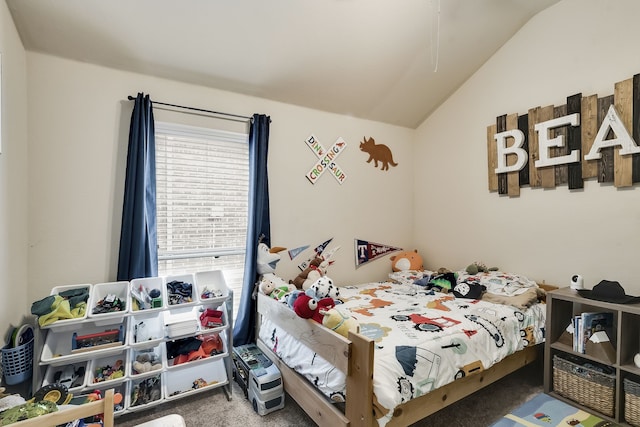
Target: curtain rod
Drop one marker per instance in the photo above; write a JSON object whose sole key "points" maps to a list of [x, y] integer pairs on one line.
{"points": [[237, 116]]}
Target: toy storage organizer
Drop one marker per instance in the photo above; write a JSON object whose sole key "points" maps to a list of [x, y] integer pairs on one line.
{"points": [[127, 349]]}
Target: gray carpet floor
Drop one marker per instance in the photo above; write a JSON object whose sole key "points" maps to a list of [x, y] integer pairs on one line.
{"points": [[211, 408]]}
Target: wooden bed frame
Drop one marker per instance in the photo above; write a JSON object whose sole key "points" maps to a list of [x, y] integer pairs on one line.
{"points": [[102, 406], [354, 357]]}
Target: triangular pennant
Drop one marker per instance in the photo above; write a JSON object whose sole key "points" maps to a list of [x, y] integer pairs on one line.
{"points": [[368, 251], [321, 247], [318, 252], [295, 252]]}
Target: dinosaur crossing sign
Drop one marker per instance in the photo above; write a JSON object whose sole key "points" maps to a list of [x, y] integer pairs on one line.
{"points": [[326, 159]]}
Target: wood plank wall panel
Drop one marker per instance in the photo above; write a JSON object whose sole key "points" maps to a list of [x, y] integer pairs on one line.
{"points": [[547, 173], [622, 171], [492, 154], [561, 171], [535, 179], [605, 165], [523, 125], [589, 129], [574, 143], [635, 133], [513, 182], [501, 126], [623, 101]]}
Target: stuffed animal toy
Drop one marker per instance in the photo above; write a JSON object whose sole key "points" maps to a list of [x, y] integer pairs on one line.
{"points": [[340, 320], [299, 280], [478, 267], [291, 299], [309, 308], [146, 363], [317, 268], [406, 260], [323, 287], [275, 287], [266, 259]]}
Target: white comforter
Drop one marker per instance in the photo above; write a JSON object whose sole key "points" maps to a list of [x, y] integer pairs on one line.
{"points": [[423, 340]]}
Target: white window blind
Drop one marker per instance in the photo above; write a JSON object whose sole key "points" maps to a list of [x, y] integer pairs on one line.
{"points": [[202, 185]]}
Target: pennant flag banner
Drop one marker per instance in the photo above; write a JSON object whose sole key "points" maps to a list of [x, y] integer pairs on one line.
{"points": [[368, 251], [321, 247], [295, 252], [318, 251]]}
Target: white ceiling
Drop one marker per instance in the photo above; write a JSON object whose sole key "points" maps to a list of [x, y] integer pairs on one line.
{"points": [[392, 61]]}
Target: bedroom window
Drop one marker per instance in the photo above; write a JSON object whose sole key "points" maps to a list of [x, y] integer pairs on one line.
{"points": [[202, 185]]}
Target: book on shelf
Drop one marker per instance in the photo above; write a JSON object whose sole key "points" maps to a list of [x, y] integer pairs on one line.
{"points": [[588, 323]]}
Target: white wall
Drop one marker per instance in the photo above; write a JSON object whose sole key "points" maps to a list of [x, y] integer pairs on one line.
{"points": [[13, 178], [78, 124], [575, 46]]}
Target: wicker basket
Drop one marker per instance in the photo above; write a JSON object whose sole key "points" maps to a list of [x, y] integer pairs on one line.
{"points": [[584, 385], [631, 402]]}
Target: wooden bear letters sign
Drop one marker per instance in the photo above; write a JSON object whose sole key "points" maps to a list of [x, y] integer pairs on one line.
{"points": [[589, 137]]}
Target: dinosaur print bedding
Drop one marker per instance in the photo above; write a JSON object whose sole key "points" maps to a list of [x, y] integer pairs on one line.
{"points": [[423, 340]]}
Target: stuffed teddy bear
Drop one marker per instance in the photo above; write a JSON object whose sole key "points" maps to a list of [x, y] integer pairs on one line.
{"points": [[309, 308], [300, 279], [266, 259], [323, 287], [317, 268], [406, 260], [340, 320]]}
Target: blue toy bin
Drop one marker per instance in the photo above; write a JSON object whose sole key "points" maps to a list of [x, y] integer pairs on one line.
{"points": [[17, 363]]}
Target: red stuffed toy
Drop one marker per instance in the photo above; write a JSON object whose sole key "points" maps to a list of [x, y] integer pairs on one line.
{"points": [[309, 308]]}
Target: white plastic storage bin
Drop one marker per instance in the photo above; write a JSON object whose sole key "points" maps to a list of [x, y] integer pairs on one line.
{"points": [[196, 378], [180, 323], [211, 286], [183, 283], [145, 362], [144, 392], [146, 295], [62, 347], [108, 370], [119, 396], [70, 323], [211, 318], [146, 330], [73, 376], [212, 346], [112, 294]]}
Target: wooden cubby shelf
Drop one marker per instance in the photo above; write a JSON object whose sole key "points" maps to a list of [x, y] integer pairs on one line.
{"points": [[565, 303]]}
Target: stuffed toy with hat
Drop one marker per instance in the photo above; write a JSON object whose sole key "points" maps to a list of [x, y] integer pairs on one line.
{"points": [[406, 260], [340, 320]]}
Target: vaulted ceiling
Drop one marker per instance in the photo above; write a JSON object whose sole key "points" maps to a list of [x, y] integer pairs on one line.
{"points": [[392, 61]]}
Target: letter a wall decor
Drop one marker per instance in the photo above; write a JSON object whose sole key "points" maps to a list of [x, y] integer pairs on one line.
{"points": [[326, 159]]}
